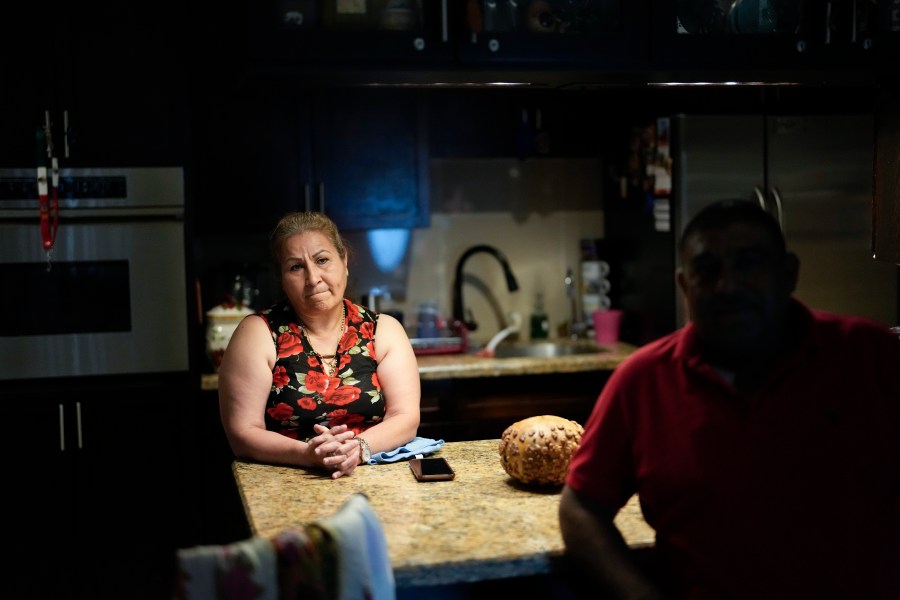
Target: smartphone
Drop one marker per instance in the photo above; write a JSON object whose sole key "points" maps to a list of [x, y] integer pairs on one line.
{"points": [[431, 469]]}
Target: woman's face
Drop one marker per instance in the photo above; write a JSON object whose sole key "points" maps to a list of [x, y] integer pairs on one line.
{"points": [[313, 275]]}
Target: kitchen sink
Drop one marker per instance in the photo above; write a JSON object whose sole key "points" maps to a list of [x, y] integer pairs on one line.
{"points": [[547, 349]]}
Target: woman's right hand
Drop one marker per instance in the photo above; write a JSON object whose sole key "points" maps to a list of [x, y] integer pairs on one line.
{"points": [[330, 449]]}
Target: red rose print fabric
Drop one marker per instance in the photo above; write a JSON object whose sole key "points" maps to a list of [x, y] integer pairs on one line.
{"points": [[303, 394]]}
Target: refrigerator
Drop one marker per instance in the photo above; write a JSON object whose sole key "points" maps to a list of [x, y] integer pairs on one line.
{"points": [[815, 173]]}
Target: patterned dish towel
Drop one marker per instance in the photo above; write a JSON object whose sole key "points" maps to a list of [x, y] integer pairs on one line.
{"points": [[418, 445], [364, 569]]}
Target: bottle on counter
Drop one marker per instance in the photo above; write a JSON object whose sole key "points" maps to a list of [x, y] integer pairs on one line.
{"points": [[540, 324], [428, 320]]}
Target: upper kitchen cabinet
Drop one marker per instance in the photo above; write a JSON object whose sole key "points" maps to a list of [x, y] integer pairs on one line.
{"points": [[251, 156], [371, 158], [341, 32], [518, 123], [768, 40], [606, 34], [437, 41], [92, 84], [358, 154]]}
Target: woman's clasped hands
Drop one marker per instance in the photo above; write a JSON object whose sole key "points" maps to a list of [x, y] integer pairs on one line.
{"points": [[336, 449]]}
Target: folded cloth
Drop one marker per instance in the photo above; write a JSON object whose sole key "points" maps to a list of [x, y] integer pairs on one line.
{"points": [[243, 569], [418, 445], [364, 566]]}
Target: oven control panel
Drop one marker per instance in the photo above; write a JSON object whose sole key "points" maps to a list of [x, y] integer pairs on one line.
{"points": [[70, 187]]}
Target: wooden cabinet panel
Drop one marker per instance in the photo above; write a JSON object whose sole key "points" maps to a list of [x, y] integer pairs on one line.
{"points": [[266, 149], [331, 32], [97, 465], [483, 407], [371, 158], [110, 77]]}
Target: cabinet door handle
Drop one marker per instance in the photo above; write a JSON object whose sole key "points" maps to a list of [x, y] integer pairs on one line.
{"points": [[322, 196], [78, 422], [445, 36], [62, 428], [66, 133], [779, 212], [760, 198]]}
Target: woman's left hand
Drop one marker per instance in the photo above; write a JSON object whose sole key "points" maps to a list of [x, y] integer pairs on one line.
{"points": [[337, 447]]}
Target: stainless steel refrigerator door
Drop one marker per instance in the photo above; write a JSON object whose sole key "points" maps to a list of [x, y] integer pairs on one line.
{"points": [[821, 168], [715, 157], [818, 169]]}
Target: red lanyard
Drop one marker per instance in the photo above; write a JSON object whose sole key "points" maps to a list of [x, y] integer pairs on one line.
{"points": [[49, 204]]}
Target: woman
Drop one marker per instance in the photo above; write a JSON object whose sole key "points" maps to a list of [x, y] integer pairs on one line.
{"points": [[316, 380]]}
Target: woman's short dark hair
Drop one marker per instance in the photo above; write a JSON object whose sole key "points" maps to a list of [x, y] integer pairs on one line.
{"points": [[723, 213]]}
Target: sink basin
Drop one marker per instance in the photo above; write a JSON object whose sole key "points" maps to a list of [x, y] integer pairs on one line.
{"points": [[547, 349]]}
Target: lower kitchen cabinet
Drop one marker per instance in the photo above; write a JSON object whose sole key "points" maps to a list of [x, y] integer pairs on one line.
{"points": [[97, 475], [482, 407], [222, 519]]}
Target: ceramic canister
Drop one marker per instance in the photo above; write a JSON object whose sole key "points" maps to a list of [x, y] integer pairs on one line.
{"points": [[221, 321]]}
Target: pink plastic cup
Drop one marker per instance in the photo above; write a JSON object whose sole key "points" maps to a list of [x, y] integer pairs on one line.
{"points": [[606, 325]]}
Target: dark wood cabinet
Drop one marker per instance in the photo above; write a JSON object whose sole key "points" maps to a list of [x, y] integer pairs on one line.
{"points": [[482, 408], [371, 158], [606, 34], [97, 471], [264, 149], [802, 40], [523, 124], [361, 32], [573, 44], [106, 77]]}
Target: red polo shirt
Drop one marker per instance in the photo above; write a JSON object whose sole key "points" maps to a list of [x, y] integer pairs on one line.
{"points": [[792, 492]]}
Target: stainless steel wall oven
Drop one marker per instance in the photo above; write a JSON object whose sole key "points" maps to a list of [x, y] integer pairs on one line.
{"points": [[97, 287]]}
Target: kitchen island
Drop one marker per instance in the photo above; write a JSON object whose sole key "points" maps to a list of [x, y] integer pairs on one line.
{"points": [[483, 525]]}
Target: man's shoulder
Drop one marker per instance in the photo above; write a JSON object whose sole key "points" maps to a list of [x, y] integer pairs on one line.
{"points": [[660, 352], [848, 327]]}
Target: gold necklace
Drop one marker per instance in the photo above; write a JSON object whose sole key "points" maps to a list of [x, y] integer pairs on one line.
{"points": [[330, 366]]}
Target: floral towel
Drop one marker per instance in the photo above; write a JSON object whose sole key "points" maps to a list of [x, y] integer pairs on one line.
{"points": [[418, 445]]}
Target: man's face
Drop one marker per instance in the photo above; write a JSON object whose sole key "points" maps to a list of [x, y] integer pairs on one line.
{"points": [[737, 286]]}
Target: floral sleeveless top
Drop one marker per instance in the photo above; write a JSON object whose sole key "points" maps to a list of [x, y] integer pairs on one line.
{"points": [[303, 393]]}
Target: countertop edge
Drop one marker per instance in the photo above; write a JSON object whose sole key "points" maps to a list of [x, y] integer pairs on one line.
{"points": [[467, 366]]}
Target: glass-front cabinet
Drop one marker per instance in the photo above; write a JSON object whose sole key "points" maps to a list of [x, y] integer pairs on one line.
{"points": [[323, 32], [742, 35], [448, 33], [575, 32]]}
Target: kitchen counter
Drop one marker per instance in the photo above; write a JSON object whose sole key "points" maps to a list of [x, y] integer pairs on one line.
{"points": [[464, 366], [482, 525]]}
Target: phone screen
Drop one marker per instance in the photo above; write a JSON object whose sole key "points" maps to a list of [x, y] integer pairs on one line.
{"points": [[431, 469], [435, 466]]}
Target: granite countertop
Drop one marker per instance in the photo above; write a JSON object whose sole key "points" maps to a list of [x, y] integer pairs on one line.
{"points": [[482, 525], [463, 366]]}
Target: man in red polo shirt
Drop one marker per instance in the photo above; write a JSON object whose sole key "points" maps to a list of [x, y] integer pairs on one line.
{"points": [[763, 438]]}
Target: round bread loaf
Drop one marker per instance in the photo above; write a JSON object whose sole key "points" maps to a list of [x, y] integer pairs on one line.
{"points": [[537, 450]]}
